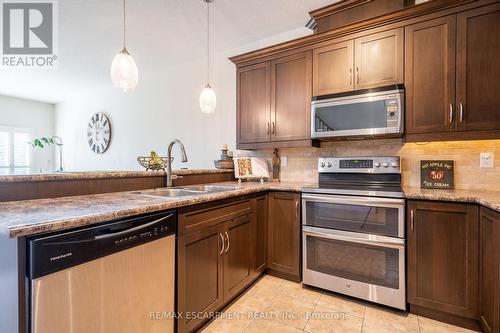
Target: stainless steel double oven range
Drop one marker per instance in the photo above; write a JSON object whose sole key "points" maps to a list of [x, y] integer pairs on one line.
{"points": [[353, 229]]}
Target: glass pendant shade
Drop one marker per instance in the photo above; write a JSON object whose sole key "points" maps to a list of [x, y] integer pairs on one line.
{"points": [[208, 100], [124, 73]]}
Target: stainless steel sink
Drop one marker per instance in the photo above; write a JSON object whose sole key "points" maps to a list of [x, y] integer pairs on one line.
{"points": [[211, 188], [169, 193]]}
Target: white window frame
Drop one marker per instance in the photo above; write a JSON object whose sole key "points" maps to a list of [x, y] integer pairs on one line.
{"points": [[11, 130]]}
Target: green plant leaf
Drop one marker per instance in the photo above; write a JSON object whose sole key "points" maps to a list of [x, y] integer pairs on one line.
{"points": [[38, 143]]}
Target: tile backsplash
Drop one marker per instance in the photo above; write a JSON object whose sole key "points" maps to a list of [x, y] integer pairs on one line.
{"points": [[302, 162]]}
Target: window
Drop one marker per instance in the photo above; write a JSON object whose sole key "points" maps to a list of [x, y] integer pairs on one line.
{"points": [[15, 152]]}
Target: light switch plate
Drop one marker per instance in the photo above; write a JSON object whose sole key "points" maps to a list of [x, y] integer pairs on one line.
{"points": [[486, 160], [283, 161]]}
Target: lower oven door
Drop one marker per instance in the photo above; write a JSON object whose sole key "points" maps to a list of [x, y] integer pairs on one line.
{"points": [[369, 267]]}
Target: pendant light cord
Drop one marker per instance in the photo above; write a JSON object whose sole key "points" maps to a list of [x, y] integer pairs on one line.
{"points": [[208, 43], [124, 27]]}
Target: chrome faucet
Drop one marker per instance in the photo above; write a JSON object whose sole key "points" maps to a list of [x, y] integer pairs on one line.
{"points": [[169, 160]]}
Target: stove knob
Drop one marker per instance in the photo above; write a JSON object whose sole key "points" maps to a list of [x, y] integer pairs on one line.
{"points": [[377, 164], [385, 165], [329, 164], [394, 164], [322, 164]]}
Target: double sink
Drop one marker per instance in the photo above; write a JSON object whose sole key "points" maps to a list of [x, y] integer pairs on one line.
{"points": [[186, 191]]}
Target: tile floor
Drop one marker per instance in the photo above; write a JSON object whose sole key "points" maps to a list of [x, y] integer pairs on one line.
{"points": [[276, 305]]}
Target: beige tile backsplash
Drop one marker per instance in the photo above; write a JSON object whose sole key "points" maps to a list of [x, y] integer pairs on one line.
{"points": [[302, 162]]}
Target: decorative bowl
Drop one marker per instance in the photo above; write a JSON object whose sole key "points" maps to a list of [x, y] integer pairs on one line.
{"points": [[224, 164], [153, 163]]}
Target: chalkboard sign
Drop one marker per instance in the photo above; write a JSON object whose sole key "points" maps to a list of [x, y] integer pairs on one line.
{"points": [[436, 174]]}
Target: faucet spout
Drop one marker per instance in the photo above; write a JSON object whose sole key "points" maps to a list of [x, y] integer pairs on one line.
{"points": [[169, 159]]}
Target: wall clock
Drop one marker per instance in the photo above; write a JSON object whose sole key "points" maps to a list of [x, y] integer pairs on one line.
{"points": [[99, 133]]}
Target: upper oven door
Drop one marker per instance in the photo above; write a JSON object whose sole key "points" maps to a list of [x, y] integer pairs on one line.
{"points": [[368, 215], [358, 115]]}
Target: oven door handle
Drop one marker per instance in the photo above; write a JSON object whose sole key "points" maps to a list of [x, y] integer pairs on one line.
{"points": [[380, 241], [348, 200]]}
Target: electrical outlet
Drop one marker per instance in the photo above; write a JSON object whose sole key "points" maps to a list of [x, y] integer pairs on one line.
{"points": [[486, 160], [283, 161]]}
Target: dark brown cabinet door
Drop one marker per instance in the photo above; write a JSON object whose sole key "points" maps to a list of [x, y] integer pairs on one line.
{"points": [[291, 82], [489, 273], [261, 213], [284, 234], [478, 69], [253, 85], [199, 275], [430, 75], [333, 68], [379, 59], [238, 256], [443, 257]]}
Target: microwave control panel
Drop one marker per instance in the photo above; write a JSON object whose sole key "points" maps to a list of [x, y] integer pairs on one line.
{"points": [[392, 112]]}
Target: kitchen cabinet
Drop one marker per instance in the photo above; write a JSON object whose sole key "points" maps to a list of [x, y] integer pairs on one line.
{"points": [[369, 61], [489, 273], [219, 254], [443, 259], [273, 103], [284, 235], [450, 73]]}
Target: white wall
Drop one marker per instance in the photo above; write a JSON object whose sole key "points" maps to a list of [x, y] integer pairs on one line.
{"points": [[38, 116], [163, 107]]}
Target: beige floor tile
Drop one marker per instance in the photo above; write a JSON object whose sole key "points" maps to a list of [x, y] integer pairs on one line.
{"points": [[271, 282], [341, 304], [234, 320], [267, 326], [382, 320], [326, 320], [290, 310], [257, 298], [300, 291], [432, 326]]}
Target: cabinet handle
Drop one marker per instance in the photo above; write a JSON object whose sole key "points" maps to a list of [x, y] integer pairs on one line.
{"points": [[297, 209], [267, 128], [357, 75], [227, 237], [222, 239], [450, 117], [461, 112], [274, 128], [350, 76], [412, 220]]}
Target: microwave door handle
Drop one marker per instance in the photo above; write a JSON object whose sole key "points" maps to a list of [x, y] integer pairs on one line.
{"points": [[373, 240]]}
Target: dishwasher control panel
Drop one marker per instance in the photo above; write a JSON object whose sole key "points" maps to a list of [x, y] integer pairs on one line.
{"points": [[51, 253]]}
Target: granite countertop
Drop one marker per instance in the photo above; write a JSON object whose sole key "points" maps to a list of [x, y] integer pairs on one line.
{"points": [[103, 174], [29, 217]]}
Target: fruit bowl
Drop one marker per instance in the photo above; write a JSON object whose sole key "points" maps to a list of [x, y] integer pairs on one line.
{"points": [[153, 163]]}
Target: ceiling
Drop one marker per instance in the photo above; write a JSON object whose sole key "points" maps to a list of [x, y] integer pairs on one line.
{"points": [[159, 33]]}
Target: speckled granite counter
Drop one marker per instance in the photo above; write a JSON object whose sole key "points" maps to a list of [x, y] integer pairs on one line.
{"points": [[24, 218], [28, 217], [102, 175]]}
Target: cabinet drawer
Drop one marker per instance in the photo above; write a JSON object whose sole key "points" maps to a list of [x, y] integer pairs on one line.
{"points": [[199, 217]]}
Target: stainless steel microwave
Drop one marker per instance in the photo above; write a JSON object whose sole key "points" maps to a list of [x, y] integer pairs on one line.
{"points": [[363, 113]]}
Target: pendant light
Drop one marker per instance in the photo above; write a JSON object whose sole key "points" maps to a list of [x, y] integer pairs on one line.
{"points": [[208, 100], [124, 73]]}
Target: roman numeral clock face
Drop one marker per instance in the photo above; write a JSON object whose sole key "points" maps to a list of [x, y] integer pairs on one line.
{"points": [[99, 133]]}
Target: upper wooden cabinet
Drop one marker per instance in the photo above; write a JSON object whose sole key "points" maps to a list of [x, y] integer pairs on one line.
{"points": [[451, 76], [370, 61], [443, 265], [273, 103], [489, 272]]}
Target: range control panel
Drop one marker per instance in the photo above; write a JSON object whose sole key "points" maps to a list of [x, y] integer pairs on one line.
{"points": [[380, 164]]}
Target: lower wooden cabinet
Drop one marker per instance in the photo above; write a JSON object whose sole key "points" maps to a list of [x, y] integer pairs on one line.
{"points": [[443, 260], [489, 273], [261, 218], [284, 235]]}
